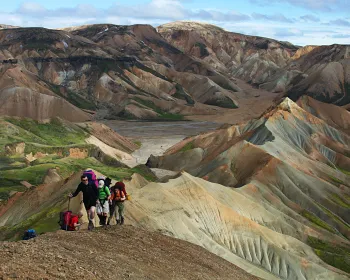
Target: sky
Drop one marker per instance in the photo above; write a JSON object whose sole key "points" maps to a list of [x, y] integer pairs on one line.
{"points": [[301, 22]]}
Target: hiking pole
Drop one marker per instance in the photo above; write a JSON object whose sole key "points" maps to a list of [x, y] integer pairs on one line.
{"points": [[68, 202], [68, 210]]}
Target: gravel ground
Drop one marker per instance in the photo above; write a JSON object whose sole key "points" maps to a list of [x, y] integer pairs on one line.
{"points": [[116, 253]]}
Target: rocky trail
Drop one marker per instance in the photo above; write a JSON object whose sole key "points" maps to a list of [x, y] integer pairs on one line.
{"points": [[116, 253]]}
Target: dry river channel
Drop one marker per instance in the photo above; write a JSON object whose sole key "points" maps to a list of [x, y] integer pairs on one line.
{"points": [[157, 137]]}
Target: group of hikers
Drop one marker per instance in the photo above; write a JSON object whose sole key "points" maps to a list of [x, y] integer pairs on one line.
{"points": [[100, 197]]}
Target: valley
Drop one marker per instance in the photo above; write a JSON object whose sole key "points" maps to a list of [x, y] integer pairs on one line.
{"points": [[235, 150]]}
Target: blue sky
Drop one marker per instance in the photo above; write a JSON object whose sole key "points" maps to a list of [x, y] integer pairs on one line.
{"points": [[302, 22]]}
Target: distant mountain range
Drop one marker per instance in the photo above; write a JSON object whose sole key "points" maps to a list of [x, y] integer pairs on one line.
{"points": [[139, 72]]}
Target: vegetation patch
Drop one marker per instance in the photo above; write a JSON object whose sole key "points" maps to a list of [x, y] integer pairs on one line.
{"points": [[138, 143], [145, 172], [317, 221], [43, 221], [163, 115], [333, 216], [187, 147], [52, 133], [333, 254], [336, 180], [340, 201], [344, 171]]}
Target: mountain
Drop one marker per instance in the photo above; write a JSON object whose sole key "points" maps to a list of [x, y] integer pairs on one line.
{"points": [[293, 169], [6, 26], [120, 71], [179, 70], [270, 196], [317, 71]]}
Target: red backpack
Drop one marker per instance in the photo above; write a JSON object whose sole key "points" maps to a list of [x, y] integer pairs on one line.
{"points": [[65, 218]]}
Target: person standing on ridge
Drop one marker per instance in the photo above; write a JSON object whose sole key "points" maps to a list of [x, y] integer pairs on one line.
{"points": [[102, 203], [117, 201], [90, 196]]}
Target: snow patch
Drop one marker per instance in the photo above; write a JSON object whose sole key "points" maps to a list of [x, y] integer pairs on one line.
{"points": [[103, 31]]}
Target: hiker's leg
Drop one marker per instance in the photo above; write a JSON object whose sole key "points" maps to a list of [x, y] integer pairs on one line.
{"points": [[122, 214], [111, 212], [92, 213], [117, 216]]}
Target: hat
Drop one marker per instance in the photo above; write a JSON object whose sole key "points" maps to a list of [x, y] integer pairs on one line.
{"points": [[101, 183]]}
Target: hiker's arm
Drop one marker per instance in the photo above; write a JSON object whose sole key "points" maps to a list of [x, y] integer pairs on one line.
{"points": [[96, 192], [78, 190], [122, 196], [108, 194]]}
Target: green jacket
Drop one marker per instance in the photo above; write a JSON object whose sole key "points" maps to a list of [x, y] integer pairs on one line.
{"points": [[103, 193]]}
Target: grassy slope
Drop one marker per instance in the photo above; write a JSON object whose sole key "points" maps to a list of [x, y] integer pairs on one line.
{"points": [[52, 138], [48, 138]]}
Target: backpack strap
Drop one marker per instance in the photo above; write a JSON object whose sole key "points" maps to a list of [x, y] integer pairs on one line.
{"points": [[106, 190]]}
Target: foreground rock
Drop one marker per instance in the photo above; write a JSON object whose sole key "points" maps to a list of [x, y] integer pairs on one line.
{"points": [[117, 253]]}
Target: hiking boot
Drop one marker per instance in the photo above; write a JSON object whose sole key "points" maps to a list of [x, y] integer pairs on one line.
{"points": [[91, 225], [117, 222], [122, 221]]}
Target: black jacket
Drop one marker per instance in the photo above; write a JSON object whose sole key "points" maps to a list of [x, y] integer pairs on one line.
{"points": [[90, 192]]}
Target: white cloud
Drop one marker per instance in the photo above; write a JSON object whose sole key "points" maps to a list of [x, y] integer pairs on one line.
{"points": [[320, 5], [301, 30]]}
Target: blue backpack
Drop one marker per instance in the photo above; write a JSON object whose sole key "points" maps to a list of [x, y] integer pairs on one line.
{"points": [[30, 233]]}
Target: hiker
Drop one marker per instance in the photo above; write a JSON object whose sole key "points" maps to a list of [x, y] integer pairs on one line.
{"points": [[90, 196], [102, 203], [74, 221], [108, 182], [118, 197]]}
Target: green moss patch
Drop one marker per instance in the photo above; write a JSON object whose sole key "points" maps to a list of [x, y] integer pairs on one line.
{"points": [[336, 180], [145, 172], [52, 133], [333, 216], [317, 221], [344, 171], [340, 201], [333, 254], [187, 147]]}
